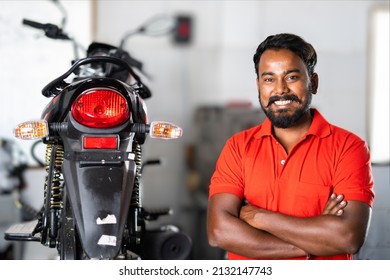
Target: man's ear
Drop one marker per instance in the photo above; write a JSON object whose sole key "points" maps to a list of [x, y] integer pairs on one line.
{"points": [[314, 83]]}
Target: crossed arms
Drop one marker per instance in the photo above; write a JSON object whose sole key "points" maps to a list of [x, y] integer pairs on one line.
{"points": [[258, 233]]}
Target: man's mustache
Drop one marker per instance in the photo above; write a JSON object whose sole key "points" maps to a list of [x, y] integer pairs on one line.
{"points": [[275, 98]]}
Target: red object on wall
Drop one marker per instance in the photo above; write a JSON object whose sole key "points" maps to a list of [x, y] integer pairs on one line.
{"points": [[183, 30]]}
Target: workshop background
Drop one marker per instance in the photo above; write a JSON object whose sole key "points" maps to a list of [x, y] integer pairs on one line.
{"points": [[203, 79]]}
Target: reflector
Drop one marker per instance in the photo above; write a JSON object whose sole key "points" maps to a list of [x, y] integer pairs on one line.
{"points": [[31, 130], [100, 142], [100, 108]]}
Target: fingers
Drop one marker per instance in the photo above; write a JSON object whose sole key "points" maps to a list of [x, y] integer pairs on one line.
{"points": [[341, 206], [335, 205]]}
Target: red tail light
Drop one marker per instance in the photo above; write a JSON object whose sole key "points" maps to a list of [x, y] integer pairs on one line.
{"points": [[100, 108]]}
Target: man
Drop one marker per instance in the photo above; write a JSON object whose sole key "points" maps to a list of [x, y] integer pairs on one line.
{"points": [[307, 184]]}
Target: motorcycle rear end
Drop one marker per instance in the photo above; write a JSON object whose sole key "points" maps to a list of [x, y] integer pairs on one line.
{"points": [[93, 128]]}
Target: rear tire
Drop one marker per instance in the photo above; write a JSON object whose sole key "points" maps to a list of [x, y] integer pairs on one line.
{"points": [[69, 244]]}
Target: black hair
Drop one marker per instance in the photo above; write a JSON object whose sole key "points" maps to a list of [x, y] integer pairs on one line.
{"points": [[291, 42]]}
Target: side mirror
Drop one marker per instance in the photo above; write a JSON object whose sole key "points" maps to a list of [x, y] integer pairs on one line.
{"points": [[158, 25]]}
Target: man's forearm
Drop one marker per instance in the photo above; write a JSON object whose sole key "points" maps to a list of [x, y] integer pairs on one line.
{"points": [[238, 237], [322, 235], [227, 231], [319, 235]]}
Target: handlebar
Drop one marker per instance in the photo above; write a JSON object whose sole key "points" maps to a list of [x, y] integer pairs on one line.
{"points": [[33, 24], [51, 31]]}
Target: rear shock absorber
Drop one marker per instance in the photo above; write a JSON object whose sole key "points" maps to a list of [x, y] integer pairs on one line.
{"points": [[136, 203], [52, 193], [136, 194]]}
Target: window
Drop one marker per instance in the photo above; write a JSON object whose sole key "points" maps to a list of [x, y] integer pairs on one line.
{"points": [[378, 86]]}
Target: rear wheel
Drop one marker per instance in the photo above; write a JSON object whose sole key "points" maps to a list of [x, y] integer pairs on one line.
{"points": [[69, 244]]}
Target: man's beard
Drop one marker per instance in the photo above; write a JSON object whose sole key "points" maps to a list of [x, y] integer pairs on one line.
{"points": [[281, 119]]}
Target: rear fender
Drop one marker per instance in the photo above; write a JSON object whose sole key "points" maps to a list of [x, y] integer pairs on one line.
{"points": [[100, 197]]}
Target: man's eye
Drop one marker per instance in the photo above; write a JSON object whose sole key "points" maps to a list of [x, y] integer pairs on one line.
{"points": [[268, 80], [292, 78]]}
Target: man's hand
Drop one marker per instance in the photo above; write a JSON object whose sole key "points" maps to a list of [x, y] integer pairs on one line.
{"points": [[335, 205], [248, 213]]}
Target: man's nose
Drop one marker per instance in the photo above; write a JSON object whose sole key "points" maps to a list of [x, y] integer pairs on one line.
{"points": [[280, 86]]}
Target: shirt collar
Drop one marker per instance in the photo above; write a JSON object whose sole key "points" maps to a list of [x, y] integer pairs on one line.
{"points": [[319, 126]]}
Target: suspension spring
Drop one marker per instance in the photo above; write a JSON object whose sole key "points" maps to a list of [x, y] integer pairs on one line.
{"points": [[136, 195], [53, 192], [54, 188]]}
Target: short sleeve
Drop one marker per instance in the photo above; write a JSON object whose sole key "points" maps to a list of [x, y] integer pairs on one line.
{"points": [[228, 175], [353, 175]]}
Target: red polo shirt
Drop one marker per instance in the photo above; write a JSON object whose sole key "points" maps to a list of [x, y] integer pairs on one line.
{"points": [[254, 166]]}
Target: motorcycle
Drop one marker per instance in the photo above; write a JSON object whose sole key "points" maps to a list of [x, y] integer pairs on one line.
{"points": [[94, 127]]}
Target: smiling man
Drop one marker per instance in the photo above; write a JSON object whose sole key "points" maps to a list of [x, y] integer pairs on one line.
{"points": [[295, 186]]}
